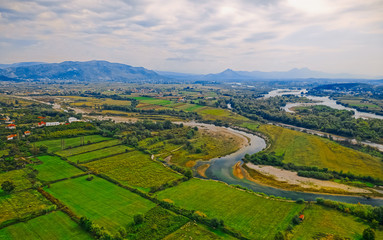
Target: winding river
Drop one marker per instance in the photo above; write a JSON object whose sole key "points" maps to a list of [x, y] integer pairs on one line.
{"points": [[221, 169]]}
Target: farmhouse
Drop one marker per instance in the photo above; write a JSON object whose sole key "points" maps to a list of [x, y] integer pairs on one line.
{"points": [[301, 217], [10, 137], [40, 124], [73, 119], [52, 124], [11, 126], [26, 133]]}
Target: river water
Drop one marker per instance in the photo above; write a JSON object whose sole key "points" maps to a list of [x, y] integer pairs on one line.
{"points": [[221, 169]]}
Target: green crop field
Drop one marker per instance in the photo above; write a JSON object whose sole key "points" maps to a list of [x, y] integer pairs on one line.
{"points": [[53, 168], [88, 148], [154, 101], [102, 153], [54, 145], [192, 230], [319, 219], [17, 177], [106, 204], [21, 204], [55, 225], [309, 150], [134, 169], [255, 217]]}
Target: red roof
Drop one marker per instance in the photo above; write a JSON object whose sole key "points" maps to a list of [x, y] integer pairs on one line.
{"points": [[41, 123], [40, 117], [27, 132], [301, 216], [11, 125], [67, 123], [12, 135]]}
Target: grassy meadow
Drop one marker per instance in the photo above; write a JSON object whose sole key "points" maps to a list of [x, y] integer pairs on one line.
{"points": [[134, 169], [21, 204], [255, 217], [54, 145], [309, 150], [102, 153], [53, 226], [53, 168], [17, 177], [88, 148], [106, 204]]}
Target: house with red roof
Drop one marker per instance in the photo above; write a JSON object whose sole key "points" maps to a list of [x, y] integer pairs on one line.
{"points": [[40, 124], [26, 133], [301, 217], [10, 137], [11, 126]]}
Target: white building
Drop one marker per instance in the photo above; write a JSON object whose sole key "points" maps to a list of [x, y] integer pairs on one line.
{"points": [[73, 119], [52, 124]]}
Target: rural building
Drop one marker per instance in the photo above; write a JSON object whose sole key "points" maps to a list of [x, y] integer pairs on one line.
{"points": [[10, 137], [11, 126], [40, 117], [41, 124], [73, 119], [52, 124], [301, 217], [26, 133]]}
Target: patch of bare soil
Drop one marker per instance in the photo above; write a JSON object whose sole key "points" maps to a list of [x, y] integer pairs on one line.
{"points": [[202, 170]]}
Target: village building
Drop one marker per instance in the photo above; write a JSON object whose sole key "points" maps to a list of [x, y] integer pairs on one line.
{"points": [[11, 126], [10, 137], [52, 124], [73, 119], [26, 133], [41, 124]]}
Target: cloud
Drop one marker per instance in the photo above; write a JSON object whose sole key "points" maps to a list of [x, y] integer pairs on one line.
{"points": [[177, 35]]}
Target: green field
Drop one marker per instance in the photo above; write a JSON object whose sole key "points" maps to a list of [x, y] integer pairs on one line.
{"points": [[102, 153], [134, 169], [53, 168], [17, 177], [54, 145], [309, 150], [106, 204], [21, 204], [88, 148], [255, 217], [319, 219], [55, 225], [192, 230], [154, 101]]}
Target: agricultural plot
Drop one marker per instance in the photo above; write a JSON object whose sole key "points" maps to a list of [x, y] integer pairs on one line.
{"points": [[88, 148], [134, 169], [153, 101], [102, 153], [104, 203], [53, 168], [209, 113], [321, 220], [54, 145], [308, 150], [55, 225], [192, 230], [21, 204], [78, 101], [17, 177], [255, 217]]}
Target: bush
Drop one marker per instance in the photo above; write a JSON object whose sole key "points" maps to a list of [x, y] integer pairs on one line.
{"points": [[138, 219], [368, 234], [300, 201]]}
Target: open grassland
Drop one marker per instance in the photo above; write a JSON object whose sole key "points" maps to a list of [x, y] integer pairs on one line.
{"points": [[106, 204], [55, 225], [153, 101], [210, 113], [319, 219], [134, 169], [21, 204], [17, 177], [102, 153], [308, 150], [53, 168], [157, 224], [88, 148], [54, 145], [78, 101], [255, 217], [192, 230]]}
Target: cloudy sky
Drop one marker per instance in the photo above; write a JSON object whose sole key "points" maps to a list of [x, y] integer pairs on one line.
{"points": [[198, 36]]}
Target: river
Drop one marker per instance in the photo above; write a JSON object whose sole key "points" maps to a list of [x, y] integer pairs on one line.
{"points": [[221, 169]]}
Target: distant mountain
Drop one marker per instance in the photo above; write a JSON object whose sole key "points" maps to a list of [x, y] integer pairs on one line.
{"points": [[92, 71], [21, 64]]}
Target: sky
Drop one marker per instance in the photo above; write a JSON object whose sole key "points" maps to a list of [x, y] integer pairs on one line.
{"points": [[198, 36]]}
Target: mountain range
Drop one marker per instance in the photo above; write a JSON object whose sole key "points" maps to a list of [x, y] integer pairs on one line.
{"points": [[96, 71]]}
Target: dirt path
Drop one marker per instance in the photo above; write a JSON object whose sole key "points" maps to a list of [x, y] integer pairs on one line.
{"points": [[291, 177]]}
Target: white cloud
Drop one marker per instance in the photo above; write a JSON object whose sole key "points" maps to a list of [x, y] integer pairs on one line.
{"points": [[198, 36]]}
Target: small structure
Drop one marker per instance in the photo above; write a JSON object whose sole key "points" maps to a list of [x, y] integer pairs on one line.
{"points": [[52, 124], [10, 137], [27, 133], [41, 124], [301, 217], [40, 117], [11, 126], [73, 119]]}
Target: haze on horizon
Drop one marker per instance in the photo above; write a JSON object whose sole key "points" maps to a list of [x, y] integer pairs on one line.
{"points": [[335, 36]]}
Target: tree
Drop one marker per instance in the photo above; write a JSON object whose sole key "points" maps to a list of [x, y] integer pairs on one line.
{"points": [[279, 236], [368, 234], [43, 148], [189, 174], [8, 186], [138, 219]]}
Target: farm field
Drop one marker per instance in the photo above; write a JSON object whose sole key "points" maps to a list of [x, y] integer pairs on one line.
{"points": [[17, 177], [255, 217], [54, 145], [88, 148], [134, 169], [53, 168], [192, 230], [104, 203], [55, 225], [308, 150], [102, 153], [21, 204], [319, 219], [78, 101]]}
